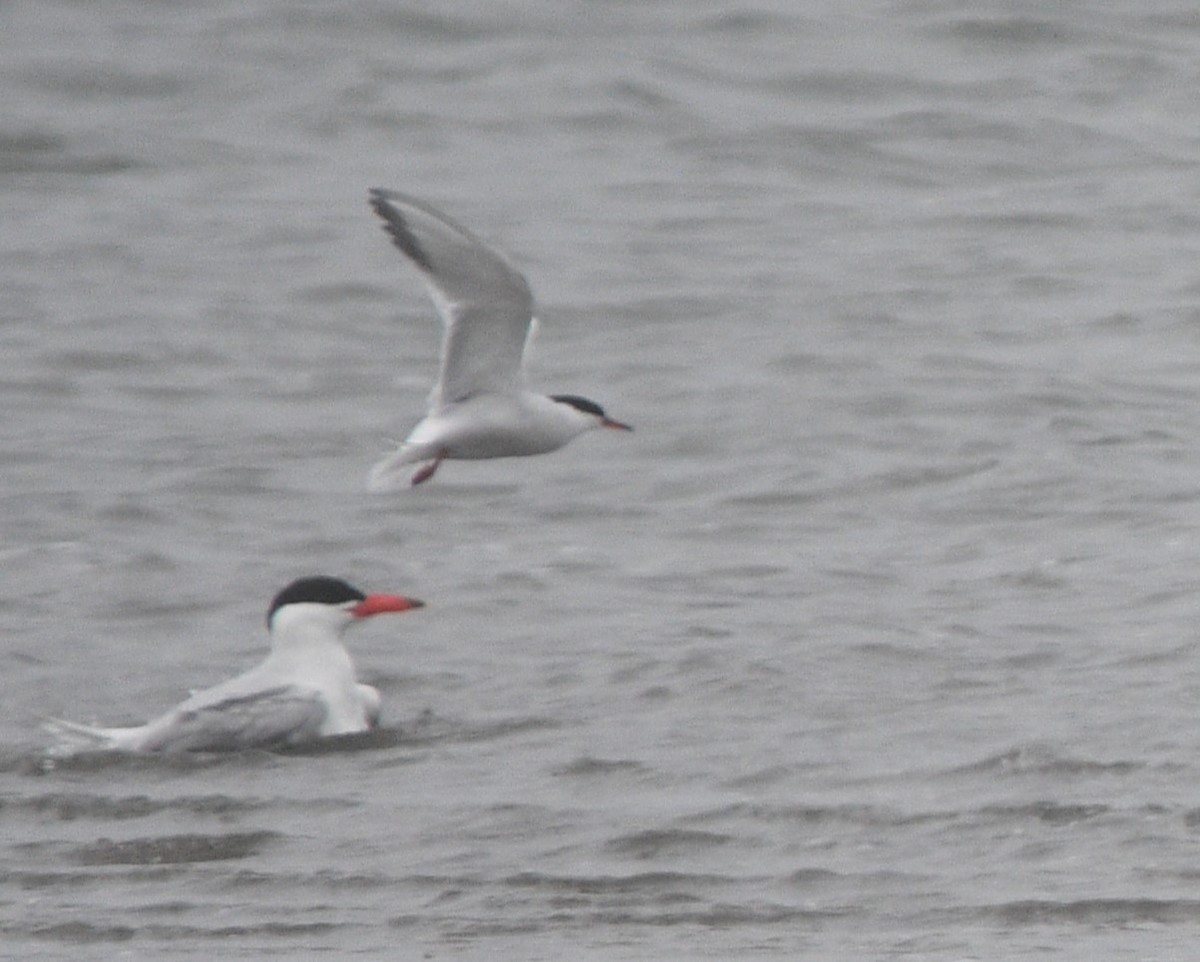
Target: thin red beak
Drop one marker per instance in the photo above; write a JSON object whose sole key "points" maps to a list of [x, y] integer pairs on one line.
{"points": [[610, 423], [380, 604]]}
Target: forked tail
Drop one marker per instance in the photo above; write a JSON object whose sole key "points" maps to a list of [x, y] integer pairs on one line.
{"points": [[74, 737]]}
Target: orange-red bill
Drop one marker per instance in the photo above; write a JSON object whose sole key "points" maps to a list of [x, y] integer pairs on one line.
{"points": [[380, 604], [620, 426]]}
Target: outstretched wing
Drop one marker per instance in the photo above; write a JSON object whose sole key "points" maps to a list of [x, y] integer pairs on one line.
{"points": [[485, 302]]}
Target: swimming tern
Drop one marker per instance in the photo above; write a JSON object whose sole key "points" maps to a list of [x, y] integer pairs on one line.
{"points": [[480, 406], [305, 689]]}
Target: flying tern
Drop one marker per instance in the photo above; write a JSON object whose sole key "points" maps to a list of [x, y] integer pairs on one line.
{"points": [[480, 406]]}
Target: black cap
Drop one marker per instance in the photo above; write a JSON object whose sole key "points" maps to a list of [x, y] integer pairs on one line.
{"points": [[319, 589], [579, 403]]}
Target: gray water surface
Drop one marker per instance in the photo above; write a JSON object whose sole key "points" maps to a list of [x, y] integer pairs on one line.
{"points": [[877, 639]]}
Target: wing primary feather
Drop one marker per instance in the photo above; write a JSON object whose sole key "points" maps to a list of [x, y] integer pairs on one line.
{"points": [[396, 226]]}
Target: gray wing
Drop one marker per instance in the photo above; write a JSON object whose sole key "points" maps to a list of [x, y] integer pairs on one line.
{"points": [[485, 302], [282, 715]]}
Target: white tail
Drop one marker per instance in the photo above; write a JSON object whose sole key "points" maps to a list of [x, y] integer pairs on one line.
{"points": [[74, 737]]}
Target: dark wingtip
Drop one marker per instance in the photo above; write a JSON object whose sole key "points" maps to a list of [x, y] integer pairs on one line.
{"points": [[397, 227]]}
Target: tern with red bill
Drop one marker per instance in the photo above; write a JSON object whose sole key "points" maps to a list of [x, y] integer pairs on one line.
{"points": [[480, 406], [304, 690]]}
